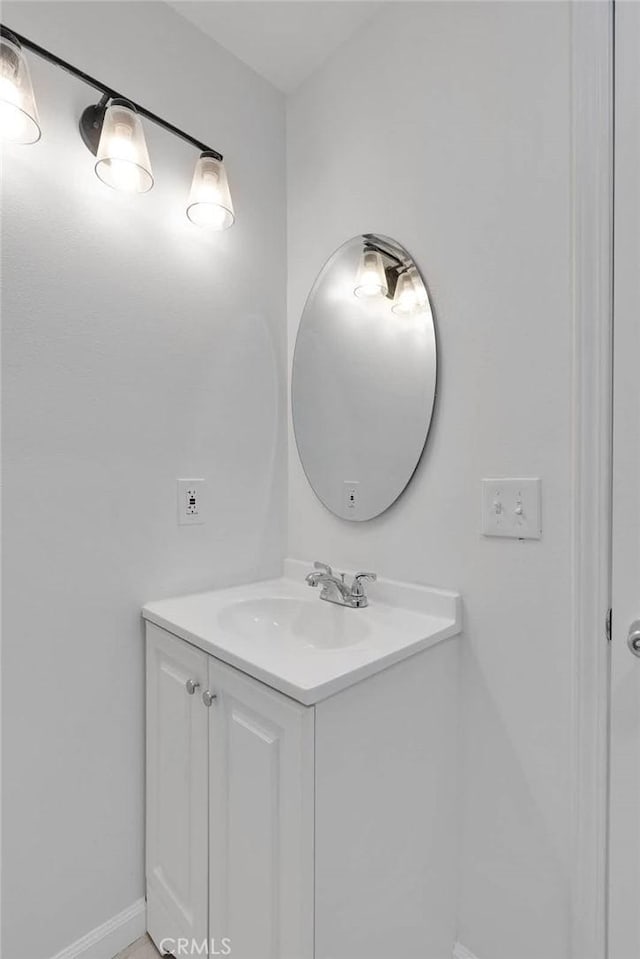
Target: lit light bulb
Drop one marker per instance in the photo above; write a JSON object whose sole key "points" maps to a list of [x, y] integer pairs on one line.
{"points": [[123, 159], [405, 301], [18, 113], [370, 279], [124, 172], [210, 205]]}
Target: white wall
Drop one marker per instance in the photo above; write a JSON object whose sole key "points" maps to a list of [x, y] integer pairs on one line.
{"points": [[447, 127], [136, 350]]}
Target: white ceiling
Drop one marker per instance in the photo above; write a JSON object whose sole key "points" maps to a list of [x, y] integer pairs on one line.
{"points": [[283, 40]]}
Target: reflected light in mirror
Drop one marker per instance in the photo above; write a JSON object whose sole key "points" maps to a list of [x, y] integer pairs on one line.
{"points": [[371, 279], [363, 379], [422, 300], [405, 301]]}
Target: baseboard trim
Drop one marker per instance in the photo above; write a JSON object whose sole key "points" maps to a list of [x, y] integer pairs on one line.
{"points": [[460, 952], [114, 935]]}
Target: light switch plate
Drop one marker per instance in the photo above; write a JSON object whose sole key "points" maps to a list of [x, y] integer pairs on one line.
{"points": [[512, 507], [191, 502]]}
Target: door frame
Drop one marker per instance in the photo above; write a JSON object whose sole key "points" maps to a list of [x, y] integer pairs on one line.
{"points": [[592, 108]]}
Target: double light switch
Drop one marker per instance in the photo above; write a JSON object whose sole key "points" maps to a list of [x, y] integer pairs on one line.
{"points": [[511, 507]]}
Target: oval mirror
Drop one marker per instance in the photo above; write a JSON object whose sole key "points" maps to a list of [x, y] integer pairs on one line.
{"points": [[364, 377]]}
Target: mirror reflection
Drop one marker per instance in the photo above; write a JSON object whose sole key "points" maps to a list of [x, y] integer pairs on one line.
{"points": [[364, 377]]}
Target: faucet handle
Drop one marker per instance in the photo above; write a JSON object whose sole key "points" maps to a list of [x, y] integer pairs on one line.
{"points": [[358, 593], [357, 588], [372, 577], [323, 567]]}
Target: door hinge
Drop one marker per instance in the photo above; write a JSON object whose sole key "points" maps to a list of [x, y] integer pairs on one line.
{"points": [[608, 624]]}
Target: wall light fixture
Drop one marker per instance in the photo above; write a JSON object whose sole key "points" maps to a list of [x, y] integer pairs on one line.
{"points": [[112, 130], [18, 112], [386, 271], [381, 272], [122, 158], [371, 279], [405, 301], [210, 202]]}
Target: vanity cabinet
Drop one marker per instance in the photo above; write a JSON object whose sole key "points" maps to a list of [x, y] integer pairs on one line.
{"points": [[287, 831], [229, 852], [177, 821]]}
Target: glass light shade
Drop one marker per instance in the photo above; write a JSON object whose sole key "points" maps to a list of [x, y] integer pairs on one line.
{"points": [[370, 278], [210, 205], [18, 114], [123, 159], [405, 300], [422, 299]]}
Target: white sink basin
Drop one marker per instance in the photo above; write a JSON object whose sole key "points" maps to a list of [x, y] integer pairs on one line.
{"points": [[319, 625], [283, 634]]}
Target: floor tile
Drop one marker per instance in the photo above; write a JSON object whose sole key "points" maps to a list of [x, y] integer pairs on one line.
{"points": [[142, 948]]}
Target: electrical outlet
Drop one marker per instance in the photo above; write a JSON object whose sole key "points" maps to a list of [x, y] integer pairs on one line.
{"points": [[511, 507], [351, 495], [190, 502]]}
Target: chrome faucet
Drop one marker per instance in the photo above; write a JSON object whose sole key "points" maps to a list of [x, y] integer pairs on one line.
{"points": [[336, 590]]}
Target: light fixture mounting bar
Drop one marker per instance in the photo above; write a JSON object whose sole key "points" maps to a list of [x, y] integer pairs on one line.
{"points": [[106, 91], [372, 242]]}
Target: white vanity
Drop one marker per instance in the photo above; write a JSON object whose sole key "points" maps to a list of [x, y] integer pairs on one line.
{"points": [[301, 771]]}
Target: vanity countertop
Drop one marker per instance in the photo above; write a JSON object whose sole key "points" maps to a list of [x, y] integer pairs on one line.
{"points": [[280, 632]]}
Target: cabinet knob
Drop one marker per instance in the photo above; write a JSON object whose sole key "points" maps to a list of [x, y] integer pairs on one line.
{"points": [[208, 697], [192, 685]]}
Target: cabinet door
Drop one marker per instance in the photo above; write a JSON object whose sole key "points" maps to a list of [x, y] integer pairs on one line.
{"points": [[177, 787], [261, 820]]}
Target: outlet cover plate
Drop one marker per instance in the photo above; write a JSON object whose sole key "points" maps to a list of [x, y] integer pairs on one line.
{"points": [[351, 496], [511, 507], [191, 502]]}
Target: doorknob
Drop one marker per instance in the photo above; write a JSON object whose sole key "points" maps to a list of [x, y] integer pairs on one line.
{"points": [[208, 697], [634, 638], [192, 685]]}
